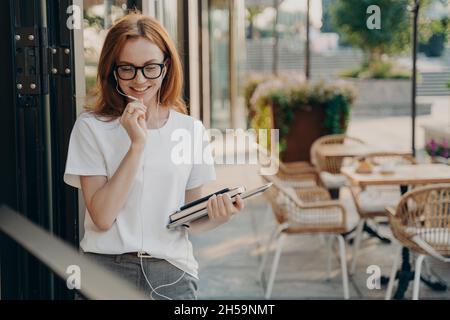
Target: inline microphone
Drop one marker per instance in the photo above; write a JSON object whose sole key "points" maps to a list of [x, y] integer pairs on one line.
{"points": [[123, 94]]}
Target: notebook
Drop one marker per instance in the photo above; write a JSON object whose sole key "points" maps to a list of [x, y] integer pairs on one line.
{"points": [[184, 218], [195, 205], [201, 203]]}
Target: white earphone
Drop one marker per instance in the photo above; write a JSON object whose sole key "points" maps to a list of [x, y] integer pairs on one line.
{"points": [[120, 92], [134, 98], [153, 290]]}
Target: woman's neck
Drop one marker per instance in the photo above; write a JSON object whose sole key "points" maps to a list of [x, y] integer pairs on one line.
{"points": [[157, 117]]}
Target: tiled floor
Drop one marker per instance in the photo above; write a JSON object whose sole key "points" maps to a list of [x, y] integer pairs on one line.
{"points": [[230, 255]]}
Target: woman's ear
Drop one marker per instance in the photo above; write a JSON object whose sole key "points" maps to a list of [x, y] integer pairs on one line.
{"points": [[164, 74], [166, 67]]}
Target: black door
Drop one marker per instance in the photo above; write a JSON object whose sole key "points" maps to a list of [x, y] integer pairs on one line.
{"points": [[38, 104]]}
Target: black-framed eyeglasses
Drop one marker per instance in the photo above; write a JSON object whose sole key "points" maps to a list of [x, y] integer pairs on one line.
{"points": [[149, 71]]}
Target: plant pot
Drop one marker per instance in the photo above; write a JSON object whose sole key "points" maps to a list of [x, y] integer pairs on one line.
{"points": [[441, 160], [437, 132], [303, 113], [306, 127]]}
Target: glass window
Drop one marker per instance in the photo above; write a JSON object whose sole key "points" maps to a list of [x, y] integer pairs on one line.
{"points": [[170, 13], [219, 30], [98, 17]]}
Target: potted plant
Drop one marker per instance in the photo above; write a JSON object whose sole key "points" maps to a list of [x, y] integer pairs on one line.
{"points": [[302, 111], [438, 151]]}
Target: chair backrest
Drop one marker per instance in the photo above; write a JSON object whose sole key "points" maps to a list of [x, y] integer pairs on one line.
{"points": [[298, 216], [278, 192], [424, 211], [329, 139]]}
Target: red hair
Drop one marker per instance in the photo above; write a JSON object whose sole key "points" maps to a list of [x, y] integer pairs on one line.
{"points": [[110, 103]]}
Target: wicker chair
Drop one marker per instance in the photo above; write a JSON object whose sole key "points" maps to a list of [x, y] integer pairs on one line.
{"points": [[307, 177], [330, 167], [308, 210], [421, 223], [370, 202]]}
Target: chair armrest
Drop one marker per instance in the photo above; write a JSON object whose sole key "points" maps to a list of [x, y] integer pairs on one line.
{"points": [[324, 205], [298, 180], [390, 211], [297, 167], [313, 194], [429, 249]]}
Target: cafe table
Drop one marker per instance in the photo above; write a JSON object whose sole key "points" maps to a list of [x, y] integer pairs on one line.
{"points": [[344, 150], [333, 155], [402, 175]]}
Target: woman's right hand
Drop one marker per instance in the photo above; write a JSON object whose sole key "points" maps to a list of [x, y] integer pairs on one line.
{"points": [[133, 120]]}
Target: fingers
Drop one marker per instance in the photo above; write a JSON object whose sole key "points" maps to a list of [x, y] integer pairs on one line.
{"points": [[229, 204], [239, 204], [142, 123], [134, 118], [214, 207], [209, 208], [133, 106], [221, 206], [135, 112], [138, 114]]}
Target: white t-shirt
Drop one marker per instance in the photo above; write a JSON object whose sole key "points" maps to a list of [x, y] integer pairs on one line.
{"points": [[171, 164]]}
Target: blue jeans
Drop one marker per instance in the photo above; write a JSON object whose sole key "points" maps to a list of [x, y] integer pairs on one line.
{"points": [[158, 272]]}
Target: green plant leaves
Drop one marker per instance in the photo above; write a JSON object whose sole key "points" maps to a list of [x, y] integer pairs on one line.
{"points": [[285, 102]]}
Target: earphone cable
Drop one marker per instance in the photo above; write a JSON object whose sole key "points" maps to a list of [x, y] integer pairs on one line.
{"points": [[154, 290]]}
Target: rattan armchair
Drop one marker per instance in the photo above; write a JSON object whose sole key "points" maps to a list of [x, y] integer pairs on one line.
{"points": [[370, 202], [308, 210], [332, 164], [330, 167], [421, 223]]}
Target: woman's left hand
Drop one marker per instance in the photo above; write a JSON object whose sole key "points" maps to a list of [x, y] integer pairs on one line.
{"points": [[221, 208]]}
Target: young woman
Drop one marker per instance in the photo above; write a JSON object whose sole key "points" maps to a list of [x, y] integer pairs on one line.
{"points": [[124, 155]]}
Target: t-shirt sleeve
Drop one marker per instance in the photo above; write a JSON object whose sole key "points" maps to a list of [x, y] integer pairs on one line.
{"points": [[84, 157], [203, 166]]}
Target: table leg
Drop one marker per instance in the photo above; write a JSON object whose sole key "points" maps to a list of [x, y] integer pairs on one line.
{"points": [[375, 234], [403, 189], [370, 231], [334, 193], [404, 275]]}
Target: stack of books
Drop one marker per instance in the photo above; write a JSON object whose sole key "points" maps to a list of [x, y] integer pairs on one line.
{"points": [[198, 208]]}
